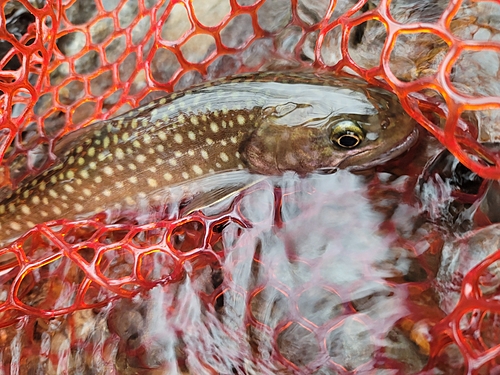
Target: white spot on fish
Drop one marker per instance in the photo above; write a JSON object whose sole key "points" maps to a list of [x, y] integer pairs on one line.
{"points": [[197, 170], [178, 138], [241, 120], [152, 182], [129, 201], [15, 226], [108, 171], [140, 158], [68, 188], [104, 155], [119, 153]]}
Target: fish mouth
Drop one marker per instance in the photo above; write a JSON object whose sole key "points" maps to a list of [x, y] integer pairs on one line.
{"points": [[403, 146]]}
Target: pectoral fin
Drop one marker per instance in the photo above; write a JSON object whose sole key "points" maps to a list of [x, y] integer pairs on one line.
{"points": [[216, 197]]}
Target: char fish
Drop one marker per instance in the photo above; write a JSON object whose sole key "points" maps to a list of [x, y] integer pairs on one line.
{"points": [[266, 123]]}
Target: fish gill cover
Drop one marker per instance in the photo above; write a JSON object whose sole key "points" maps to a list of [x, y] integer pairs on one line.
{"points": [[233, 298]]}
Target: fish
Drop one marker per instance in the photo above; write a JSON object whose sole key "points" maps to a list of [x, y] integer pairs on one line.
{"points": [[263, 123]]}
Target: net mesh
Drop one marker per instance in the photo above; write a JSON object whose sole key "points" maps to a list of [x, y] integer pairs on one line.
{"points": [[65, 64]]}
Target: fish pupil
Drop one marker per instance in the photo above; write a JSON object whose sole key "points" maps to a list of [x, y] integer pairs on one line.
{"points": [[348, 141]]}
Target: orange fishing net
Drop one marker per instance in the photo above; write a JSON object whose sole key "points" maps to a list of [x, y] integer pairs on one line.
{"points": [[65, 64]]}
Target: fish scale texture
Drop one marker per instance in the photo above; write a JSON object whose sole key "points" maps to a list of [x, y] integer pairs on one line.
{"points": [[64, 65]]}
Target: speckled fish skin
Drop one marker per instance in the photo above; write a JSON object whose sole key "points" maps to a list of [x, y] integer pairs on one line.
{"points": [[267, 123]]}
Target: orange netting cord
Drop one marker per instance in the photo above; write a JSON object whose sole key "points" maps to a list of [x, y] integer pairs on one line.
{"points": [[49, 89]]}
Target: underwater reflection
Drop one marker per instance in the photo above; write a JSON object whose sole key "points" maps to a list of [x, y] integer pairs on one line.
{"points": [[313, 282]]}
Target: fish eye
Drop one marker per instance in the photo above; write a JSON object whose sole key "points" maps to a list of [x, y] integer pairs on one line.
{"points": [[347, 134]]}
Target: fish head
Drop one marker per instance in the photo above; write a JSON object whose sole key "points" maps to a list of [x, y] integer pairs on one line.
{"points": [[364, 126]]}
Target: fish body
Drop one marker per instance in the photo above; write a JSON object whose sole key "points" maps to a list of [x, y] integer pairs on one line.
{"points": [[266, 123]]}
